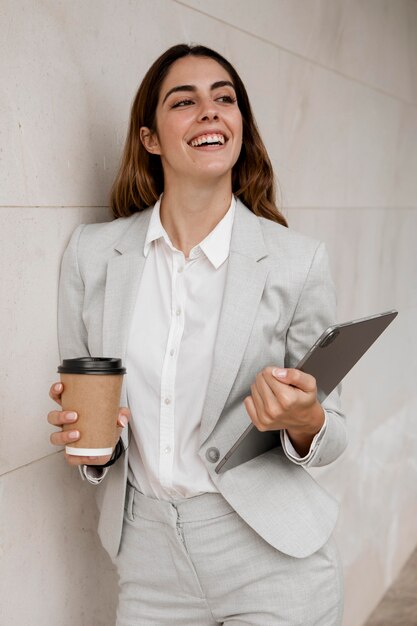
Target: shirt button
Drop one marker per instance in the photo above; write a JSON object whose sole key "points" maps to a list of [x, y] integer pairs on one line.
{"points": [[167, 450], [180, 270], [178, 311], [171, 352], [167, 400]]}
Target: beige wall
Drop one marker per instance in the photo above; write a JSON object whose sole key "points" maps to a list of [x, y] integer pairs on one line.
{"points": [[333, 84]]}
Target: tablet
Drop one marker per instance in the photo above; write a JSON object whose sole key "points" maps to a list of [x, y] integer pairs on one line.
{"points": [[329, 360]]}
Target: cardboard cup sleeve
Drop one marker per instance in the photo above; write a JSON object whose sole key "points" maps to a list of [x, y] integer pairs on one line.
{"points": [[96, 400]]}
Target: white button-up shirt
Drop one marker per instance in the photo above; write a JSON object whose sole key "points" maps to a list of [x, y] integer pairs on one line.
{"points": [[169, 357], [168, 361]]}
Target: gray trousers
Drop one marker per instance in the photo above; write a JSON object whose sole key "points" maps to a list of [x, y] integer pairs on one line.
{"points": [[195, 562]]}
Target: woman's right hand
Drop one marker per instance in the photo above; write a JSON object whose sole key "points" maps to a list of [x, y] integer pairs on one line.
{"points": [[63, 438]]}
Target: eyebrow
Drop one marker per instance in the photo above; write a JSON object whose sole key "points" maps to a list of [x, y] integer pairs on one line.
{"points": [[219, 83]]}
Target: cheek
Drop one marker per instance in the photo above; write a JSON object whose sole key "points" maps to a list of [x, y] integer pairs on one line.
{"points": [[238, 141], [238, 130], [174, 133]]}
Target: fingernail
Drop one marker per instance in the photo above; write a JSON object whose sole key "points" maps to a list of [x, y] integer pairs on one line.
{"points": [[123, 421], [279, 373], [74, 434], [71, 417], [93, 458], [58, 387]]}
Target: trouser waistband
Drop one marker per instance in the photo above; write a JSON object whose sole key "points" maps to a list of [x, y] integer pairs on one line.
{"points": [[202, 507]]}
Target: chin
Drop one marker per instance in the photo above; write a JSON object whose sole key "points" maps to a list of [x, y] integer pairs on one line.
{"points": [[213, 176], [215, 169]]}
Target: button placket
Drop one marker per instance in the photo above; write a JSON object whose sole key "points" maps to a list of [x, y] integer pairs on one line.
{"points": [[167, 406]]}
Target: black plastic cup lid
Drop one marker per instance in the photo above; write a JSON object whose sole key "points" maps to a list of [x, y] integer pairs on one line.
{"points": [[92, 365]]}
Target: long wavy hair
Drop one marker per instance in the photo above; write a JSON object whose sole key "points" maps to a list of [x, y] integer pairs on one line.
{"points": [[140, 180]]}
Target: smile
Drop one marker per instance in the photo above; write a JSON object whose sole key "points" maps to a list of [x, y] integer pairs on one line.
{"points": [[212, 139]]}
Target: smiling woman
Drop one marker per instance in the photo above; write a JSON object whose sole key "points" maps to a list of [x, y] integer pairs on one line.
{"points": [[166, 86], [210, 301], [185, 130]]}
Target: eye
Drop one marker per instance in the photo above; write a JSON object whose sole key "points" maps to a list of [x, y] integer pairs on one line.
{"points": [[228, 99], [181, 103]]}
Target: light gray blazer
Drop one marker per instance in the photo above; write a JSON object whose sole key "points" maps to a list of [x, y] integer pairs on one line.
{"points": [[278, 298]]}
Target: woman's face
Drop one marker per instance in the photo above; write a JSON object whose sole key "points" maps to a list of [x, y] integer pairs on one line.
{"points": [[198, 121]]}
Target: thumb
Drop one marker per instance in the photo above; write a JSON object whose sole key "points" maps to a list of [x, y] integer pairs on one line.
{"points": [[296, 378]]}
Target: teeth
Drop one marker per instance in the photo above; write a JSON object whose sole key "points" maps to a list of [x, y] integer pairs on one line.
{"points": [[207, 139]]}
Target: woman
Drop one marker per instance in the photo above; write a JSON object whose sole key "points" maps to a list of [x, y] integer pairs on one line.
{"points": [[211, 301]]}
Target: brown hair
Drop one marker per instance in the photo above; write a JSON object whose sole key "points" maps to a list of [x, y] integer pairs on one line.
{"points": [[139, 181]]}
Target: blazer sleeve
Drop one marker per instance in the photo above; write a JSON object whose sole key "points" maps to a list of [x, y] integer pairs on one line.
{"points": [[72, 333], [315, 311]]}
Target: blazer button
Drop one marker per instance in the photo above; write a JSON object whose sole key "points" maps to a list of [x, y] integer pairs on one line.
{"points": [[212, 454]]}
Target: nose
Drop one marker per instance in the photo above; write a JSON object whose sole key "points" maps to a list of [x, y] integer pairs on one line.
{"points": [[208, 111]]}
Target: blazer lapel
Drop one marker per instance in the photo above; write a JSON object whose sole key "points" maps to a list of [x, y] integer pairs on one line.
{"points": [[124, 272], [245, 282]]}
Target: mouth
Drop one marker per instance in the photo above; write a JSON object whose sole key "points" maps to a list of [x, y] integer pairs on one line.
{"points": [[208, 141]]}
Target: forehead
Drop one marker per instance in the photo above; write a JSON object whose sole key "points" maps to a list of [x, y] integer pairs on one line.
{"points": [[198, 71]]}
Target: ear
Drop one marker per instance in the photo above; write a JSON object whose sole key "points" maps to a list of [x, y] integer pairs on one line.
{"points": [[149, 140]]}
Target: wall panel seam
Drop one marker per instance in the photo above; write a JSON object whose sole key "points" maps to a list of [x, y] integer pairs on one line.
{"points": [[19, 467], [298, 55]]}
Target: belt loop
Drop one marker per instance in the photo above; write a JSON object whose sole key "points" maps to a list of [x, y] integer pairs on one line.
{"points": [[131, 497]]}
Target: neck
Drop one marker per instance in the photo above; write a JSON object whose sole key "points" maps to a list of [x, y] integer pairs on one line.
{"points": [[189, 214]]}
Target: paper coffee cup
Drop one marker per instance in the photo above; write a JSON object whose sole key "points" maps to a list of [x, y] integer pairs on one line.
{"points": [[92, 387]]}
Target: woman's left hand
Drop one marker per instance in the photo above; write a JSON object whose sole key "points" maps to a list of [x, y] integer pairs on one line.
{"points": [[287, 400]]}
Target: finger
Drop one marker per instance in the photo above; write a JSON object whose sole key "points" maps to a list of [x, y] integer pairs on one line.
{"points": [[251, 410], [263, 416], [59, 418], [74, 459], [62, 438], [285, 395], [124, 417], [297, 378], [269, 390], [257, 401], [56, 391]]}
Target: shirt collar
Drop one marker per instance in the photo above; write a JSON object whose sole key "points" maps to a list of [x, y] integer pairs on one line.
{"points": [[216, 245]]}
